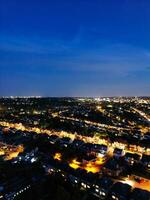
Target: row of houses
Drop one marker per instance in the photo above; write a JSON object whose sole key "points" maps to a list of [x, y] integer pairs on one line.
{"points": [[104, 188], [101, 149]]}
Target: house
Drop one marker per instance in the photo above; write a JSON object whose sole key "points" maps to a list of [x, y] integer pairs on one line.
{"points": [[118, 152], [120, 191], [74, 180], [132, 158], [78, 179], [85, 185], [87, 147], [146, 161], [138, 194], [137, 135], [77, 143], [49, 169], [53, 138], [146, 136], [102, 187], [88, 159], [65, 141], [101, 149], [112, 168], [86, 179], [95, 149]]}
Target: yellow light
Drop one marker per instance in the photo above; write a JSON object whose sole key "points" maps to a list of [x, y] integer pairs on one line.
{"points": [[58, 156], [74, 164]]}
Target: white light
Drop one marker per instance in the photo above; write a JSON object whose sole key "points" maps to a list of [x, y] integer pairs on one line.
{"points": [[96, 190], [33, 160], [103, 193]]}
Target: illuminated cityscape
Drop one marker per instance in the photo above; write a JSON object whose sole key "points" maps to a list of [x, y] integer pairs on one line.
{"points": [[98, 147], [74, 99]]}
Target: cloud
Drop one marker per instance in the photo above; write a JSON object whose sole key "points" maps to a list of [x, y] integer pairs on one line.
{"points": [[74, 55]]}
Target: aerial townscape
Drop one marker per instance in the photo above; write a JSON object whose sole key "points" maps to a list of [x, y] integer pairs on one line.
{"points": [[74, 99], [75, 148]]}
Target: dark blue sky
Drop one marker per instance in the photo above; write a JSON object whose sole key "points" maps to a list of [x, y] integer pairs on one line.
{"points": [[74, 47]]}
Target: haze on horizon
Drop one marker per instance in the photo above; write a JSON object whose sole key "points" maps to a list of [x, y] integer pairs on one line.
{"points": [[74, 48]]}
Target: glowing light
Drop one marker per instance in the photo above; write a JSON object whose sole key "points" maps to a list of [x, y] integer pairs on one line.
{"points": [[33, 160], [89, 166], [129, 182], [58, 156], [144, 184], [75, 164]]}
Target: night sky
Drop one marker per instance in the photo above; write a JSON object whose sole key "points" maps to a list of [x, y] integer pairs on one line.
{"points": [[74, 47]]}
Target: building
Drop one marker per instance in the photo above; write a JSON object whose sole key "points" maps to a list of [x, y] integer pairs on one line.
{"points": [[102, 187], [146, 161], [112, 168], [53, 138], [132, 158], [120, 191], [65, 141], [138, 194], [118, 152], [77, 144]]}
